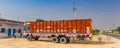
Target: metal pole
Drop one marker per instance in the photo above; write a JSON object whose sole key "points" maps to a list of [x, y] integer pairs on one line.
{"points": [[74, 10]]}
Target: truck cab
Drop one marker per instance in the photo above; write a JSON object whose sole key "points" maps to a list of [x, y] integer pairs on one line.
{"points": [[26, 29]]}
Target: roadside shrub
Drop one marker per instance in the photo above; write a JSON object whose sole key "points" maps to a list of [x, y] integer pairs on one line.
{"points": [[96, 32]]}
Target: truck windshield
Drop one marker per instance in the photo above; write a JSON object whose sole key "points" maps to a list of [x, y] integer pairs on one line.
{"points": [[26, 28]]}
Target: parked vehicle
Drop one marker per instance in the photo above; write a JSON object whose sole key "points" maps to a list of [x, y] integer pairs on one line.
{"points": [[60, 30]]}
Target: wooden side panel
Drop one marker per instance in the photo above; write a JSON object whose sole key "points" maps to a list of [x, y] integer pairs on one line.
{"points": [[69, 27], [55, 26], [31, 27], [91, 27], [79, 26], [37, 27], [63, 26], [48, 26], [40, 26], [58, 26], [52, 27], [88, 26], [74, 26], [82, 26], [44, 27]]}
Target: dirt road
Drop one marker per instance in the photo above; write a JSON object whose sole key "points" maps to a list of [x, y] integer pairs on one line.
{"points": [[46, 43]]}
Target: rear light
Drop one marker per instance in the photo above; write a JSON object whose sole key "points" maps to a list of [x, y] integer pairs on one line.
{"points": [[87, 35]]}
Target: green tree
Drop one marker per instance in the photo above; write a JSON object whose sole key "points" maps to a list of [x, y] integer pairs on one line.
{"points": [[118, 29], [96, 31], [40, 20]]}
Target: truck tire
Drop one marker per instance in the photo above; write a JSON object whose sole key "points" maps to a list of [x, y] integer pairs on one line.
{"points": [[90, 38], [68, 40], [29, 38], [55, 39], [36, 38], [26, 36], [63, 40], [83, 37]]}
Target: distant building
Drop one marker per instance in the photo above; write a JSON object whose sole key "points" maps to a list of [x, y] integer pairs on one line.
{"points": [[9, 28]]}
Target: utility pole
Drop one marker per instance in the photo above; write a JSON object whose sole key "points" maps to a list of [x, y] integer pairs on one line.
{"points": [[74, 10]]}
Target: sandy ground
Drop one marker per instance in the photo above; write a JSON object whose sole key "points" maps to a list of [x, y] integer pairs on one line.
{"points": [[46, 43]]}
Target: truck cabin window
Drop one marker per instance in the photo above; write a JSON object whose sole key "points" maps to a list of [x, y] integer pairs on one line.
{"points": [[26, 28]]}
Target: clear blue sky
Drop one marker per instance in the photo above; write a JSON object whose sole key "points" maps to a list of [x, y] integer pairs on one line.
{"points": [[104, 13]]}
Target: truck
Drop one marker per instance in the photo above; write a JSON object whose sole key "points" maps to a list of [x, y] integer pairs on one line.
{"points": [[59, 31]]}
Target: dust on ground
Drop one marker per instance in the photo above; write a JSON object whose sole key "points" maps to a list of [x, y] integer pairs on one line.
{"points": [[46, 43]]}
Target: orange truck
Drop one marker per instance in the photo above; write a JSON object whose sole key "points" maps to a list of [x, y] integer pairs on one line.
{"points": [[59, 31]]}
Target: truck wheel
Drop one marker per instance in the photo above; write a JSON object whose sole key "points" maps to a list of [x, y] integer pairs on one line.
{"points": [[83, 37], [68, 40], [55, 39], [63, 40], [90, 38], [29, 38], [36, 38], [26, 36]]}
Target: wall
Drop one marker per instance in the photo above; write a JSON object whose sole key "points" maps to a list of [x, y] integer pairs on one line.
{"points": [[8, 25]]}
